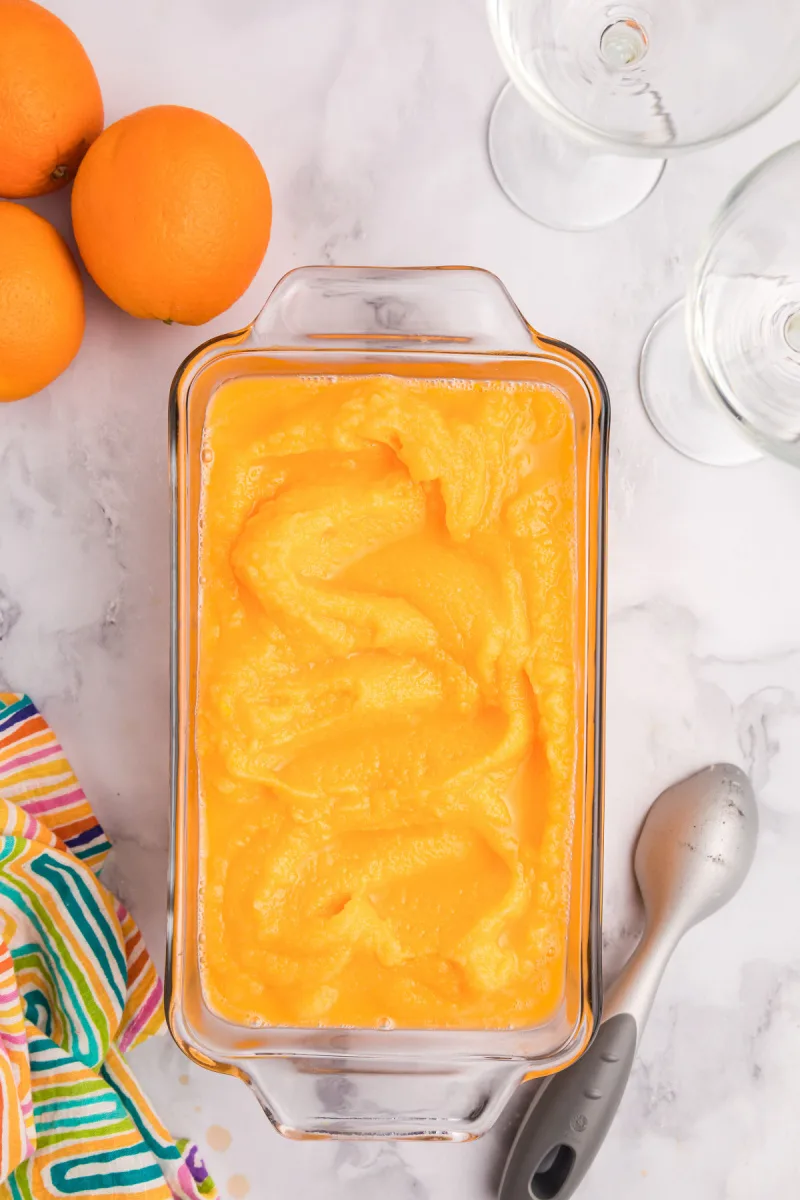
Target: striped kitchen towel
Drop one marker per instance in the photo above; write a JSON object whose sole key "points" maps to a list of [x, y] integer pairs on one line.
{"points": [[77, 989]]}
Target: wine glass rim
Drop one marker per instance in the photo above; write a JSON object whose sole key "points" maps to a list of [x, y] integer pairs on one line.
{"points": [[763, 167], [731, 198], [695, 323], [616, 143]]}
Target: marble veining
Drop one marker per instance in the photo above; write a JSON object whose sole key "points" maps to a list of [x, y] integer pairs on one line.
{"points": [[370, 118]]}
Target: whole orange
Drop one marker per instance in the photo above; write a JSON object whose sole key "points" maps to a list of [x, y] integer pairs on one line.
{"points": [[172, 211], [51, 109], [41, 303]]}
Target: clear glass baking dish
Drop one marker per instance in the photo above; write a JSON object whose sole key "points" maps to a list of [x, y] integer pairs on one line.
{"points": [[444, 322]]}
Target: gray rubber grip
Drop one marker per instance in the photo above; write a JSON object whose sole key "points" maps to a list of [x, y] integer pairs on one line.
{"points": [[569, 1118]]}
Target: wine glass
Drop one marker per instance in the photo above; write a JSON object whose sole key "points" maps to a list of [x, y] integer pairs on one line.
{"points": [[720, 372], [601, 93]]}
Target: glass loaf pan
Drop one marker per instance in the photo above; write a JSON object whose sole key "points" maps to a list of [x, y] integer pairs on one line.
{"points": [[446, 323]]}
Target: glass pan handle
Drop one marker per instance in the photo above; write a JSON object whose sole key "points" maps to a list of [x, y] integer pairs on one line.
{"points": [[431, 309]]}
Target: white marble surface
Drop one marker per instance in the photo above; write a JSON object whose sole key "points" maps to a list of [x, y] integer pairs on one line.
{"points": [[370, 118]]}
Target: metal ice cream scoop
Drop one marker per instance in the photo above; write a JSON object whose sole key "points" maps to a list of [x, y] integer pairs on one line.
{"points": [[694, 851]]}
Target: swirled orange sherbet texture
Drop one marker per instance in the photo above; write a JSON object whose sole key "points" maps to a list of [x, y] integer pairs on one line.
{"points": [[387, 701]]}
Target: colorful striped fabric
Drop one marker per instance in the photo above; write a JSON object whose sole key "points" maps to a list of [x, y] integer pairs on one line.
{"points": [[77, 989]]}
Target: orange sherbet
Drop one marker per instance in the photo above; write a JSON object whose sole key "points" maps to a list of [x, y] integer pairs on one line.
{"points": [[387, 701]]}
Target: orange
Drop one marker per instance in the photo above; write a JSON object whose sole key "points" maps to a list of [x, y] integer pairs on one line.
{"points": [[172, 212], [41, 303], [51, 109]]}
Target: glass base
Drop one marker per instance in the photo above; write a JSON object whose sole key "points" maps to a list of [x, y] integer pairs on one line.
{"points": [[382, 1098], [557, 180], [678, 404]]}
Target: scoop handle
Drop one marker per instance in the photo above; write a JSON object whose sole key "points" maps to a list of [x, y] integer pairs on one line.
{"points": [[570, 1116]]}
